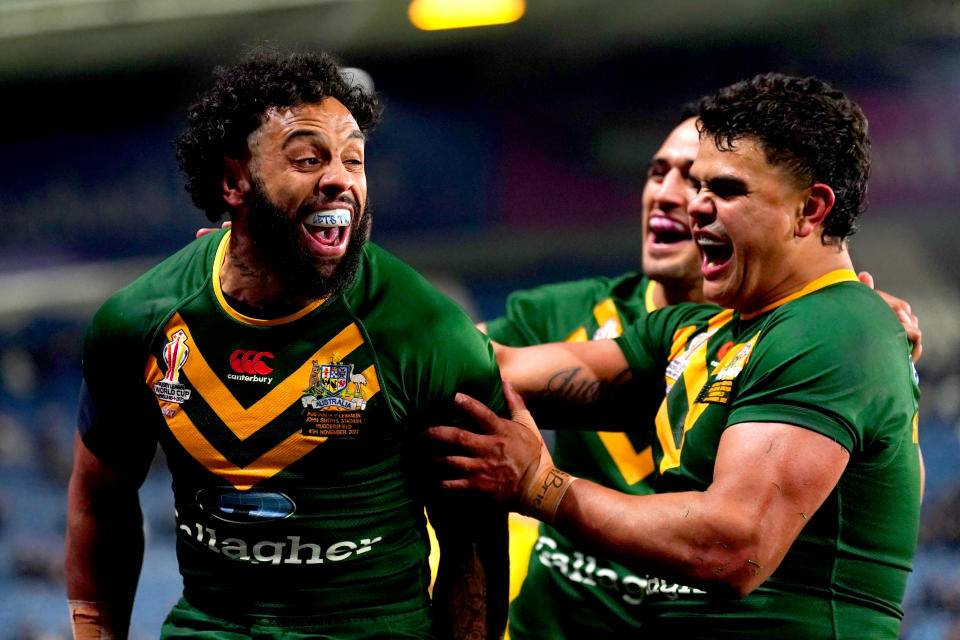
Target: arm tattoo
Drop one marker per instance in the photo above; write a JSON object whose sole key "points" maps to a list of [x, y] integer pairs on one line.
{"points": [[568, 387]]}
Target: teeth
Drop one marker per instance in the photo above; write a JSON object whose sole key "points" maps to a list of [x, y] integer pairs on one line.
{"points": [[710, 242], [330, 218]]}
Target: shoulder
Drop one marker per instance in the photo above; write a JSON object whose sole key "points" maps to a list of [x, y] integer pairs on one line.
{"points": [[388, 294], [849, 317], [134, 310]]}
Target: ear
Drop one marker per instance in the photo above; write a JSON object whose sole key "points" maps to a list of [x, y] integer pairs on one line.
{"points": [[818, 203], [236, 182]]}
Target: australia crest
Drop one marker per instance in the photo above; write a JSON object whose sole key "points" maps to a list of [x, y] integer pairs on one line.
{"points": [[335, 386]]}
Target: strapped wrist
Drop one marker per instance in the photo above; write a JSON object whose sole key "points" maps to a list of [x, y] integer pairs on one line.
{"points": [[543, 496], [92, 620]]}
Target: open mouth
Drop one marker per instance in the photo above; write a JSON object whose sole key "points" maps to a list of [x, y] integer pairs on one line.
{"points": [[667, 231], [328, 229], [716, 253]]}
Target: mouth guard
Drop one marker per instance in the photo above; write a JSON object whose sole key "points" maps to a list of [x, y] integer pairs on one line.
{"points": [[328, 219]]}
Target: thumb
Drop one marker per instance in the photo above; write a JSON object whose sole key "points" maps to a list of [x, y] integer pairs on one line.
{"points": [[518, 409], [866, 278]]}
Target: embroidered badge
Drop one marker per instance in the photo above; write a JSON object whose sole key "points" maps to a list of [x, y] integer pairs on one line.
{"points": [[676, 366], [175, 354], [733, 368], [333, 400]]}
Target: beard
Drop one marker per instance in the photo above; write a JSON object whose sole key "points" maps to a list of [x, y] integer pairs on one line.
{"points": [[279, 241]]}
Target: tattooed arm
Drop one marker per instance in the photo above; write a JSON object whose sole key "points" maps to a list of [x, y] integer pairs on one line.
{"points": [[571, 372], [472, 584], [574, 385]]}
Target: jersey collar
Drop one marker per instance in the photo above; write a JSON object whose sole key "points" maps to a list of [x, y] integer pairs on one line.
{"points": [[233, 313]]}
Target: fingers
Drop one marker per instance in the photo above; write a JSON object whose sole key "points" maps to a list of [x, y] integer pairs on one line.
{"points": [[466, 440], [205, 230], [866, 279], [482, 414]]}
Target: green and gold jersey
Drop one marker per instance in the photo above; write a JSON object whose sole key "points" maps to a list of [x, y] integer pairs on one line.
{"points": [[292, 442], [834, 359], [567, 593]]}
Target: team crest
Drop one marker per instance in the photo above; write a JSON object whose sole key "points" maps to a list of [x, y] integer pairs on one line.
{"points": [[175, 354], [733, 368], [333, 401], [334, 385]]}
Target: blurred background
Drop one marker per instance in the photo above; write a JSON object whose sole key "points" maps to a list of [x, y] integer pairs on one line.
{"points": [[510, 155]]}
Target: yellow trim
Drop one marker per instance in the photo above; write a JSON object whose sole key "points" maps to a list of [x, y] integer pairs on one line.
{"points": [[835, 276], [236, 315], [245, 422], [916, 431], [580, 335], [606, 311], [633, 466], [648, 297], [695, 376]]}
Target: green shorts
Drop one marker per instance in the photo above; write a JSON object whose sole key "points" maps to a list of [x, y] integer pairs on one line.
{"points": [[186, 621]]}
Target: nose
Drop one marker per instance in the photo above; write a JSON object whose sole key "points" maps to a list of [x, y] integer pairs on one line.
{"points": [[334, 180], [672, 192], [700, 210]]}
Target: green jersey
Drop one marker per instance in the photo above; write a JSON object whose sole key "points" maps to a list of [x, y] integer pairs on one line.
{"points": [[567, 593], [292, 442], [835, 360]]}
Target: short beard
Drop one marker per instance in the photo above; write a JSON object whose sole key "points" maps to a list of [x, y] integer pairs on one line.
{"points": [[279, 242]]}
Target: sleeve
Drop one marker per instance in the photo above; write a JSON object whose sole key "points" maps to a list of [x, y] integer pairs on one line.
{"points": [[462, 360], [546, 314], [114, 420], [812, 365]]}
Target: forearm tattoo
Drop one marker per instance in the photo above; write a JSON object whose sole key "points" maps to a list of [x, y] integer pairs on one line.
{"points": [[570, 387]]}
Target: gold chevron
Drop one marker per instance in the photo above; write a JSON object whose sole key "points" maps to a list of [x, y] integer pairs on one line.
{"points": [[245, 422], [634, 466]]}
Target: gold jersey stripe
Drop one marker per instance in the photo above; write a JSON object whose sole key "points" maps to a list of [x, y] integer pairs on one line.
{"points": [[605, 312], [633, 465], [266, 466], [694, 377], [580, 335], [648, 302], [245, 422], [236, 315]]}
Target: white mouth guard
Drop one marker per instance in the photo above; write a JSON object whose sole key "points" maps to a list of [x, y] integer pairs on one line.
{"points": [[338, 218]]}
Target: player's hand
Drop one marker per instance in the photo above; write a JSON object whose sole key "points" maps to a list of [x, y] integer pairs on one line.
{"points": [[202, 231], [904, 314], [508, 461]]}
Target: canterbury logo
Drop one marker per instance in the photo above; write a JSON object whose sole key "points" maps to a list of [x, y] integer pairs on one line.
{"points": [[246, 361]]}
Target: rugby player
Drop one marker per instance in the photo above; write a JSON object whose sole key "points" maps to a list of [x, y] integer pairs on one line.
{"points": [[789, 475], [286, 366]]}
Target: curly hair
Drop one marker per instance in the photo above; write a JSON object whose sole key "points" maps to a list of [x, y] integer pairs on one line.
{"points": [[804, 125], [219, 122]]}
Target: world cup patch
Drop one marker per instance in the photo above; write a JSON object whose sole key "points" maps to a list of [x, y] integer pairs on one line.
{"points": [[175, 354], [333, 400]]}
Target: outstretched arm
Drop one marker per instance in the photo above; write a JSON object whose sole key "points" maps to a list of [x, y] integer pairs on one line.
{"points": [[730, 537], [569, 372], [104, 545]]}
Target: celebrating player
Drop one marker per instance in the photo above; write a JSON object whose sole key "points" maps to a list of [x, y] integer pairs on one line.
{"points": [[286, 367], [786, 450]]}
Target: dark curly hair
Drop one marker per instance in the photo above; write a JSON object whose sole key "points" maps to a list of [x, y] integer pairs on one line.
{"points": [[804, 125], [219, 122]]}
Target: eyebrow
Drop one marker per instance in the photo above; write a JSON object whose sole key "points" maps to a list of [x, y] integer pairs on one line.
{"points": [[730, 182], [310, 133]]}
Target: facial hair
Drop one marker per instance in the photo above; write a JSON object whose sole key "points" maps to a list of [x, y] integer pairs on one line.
{"points": [[279, 241]]}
